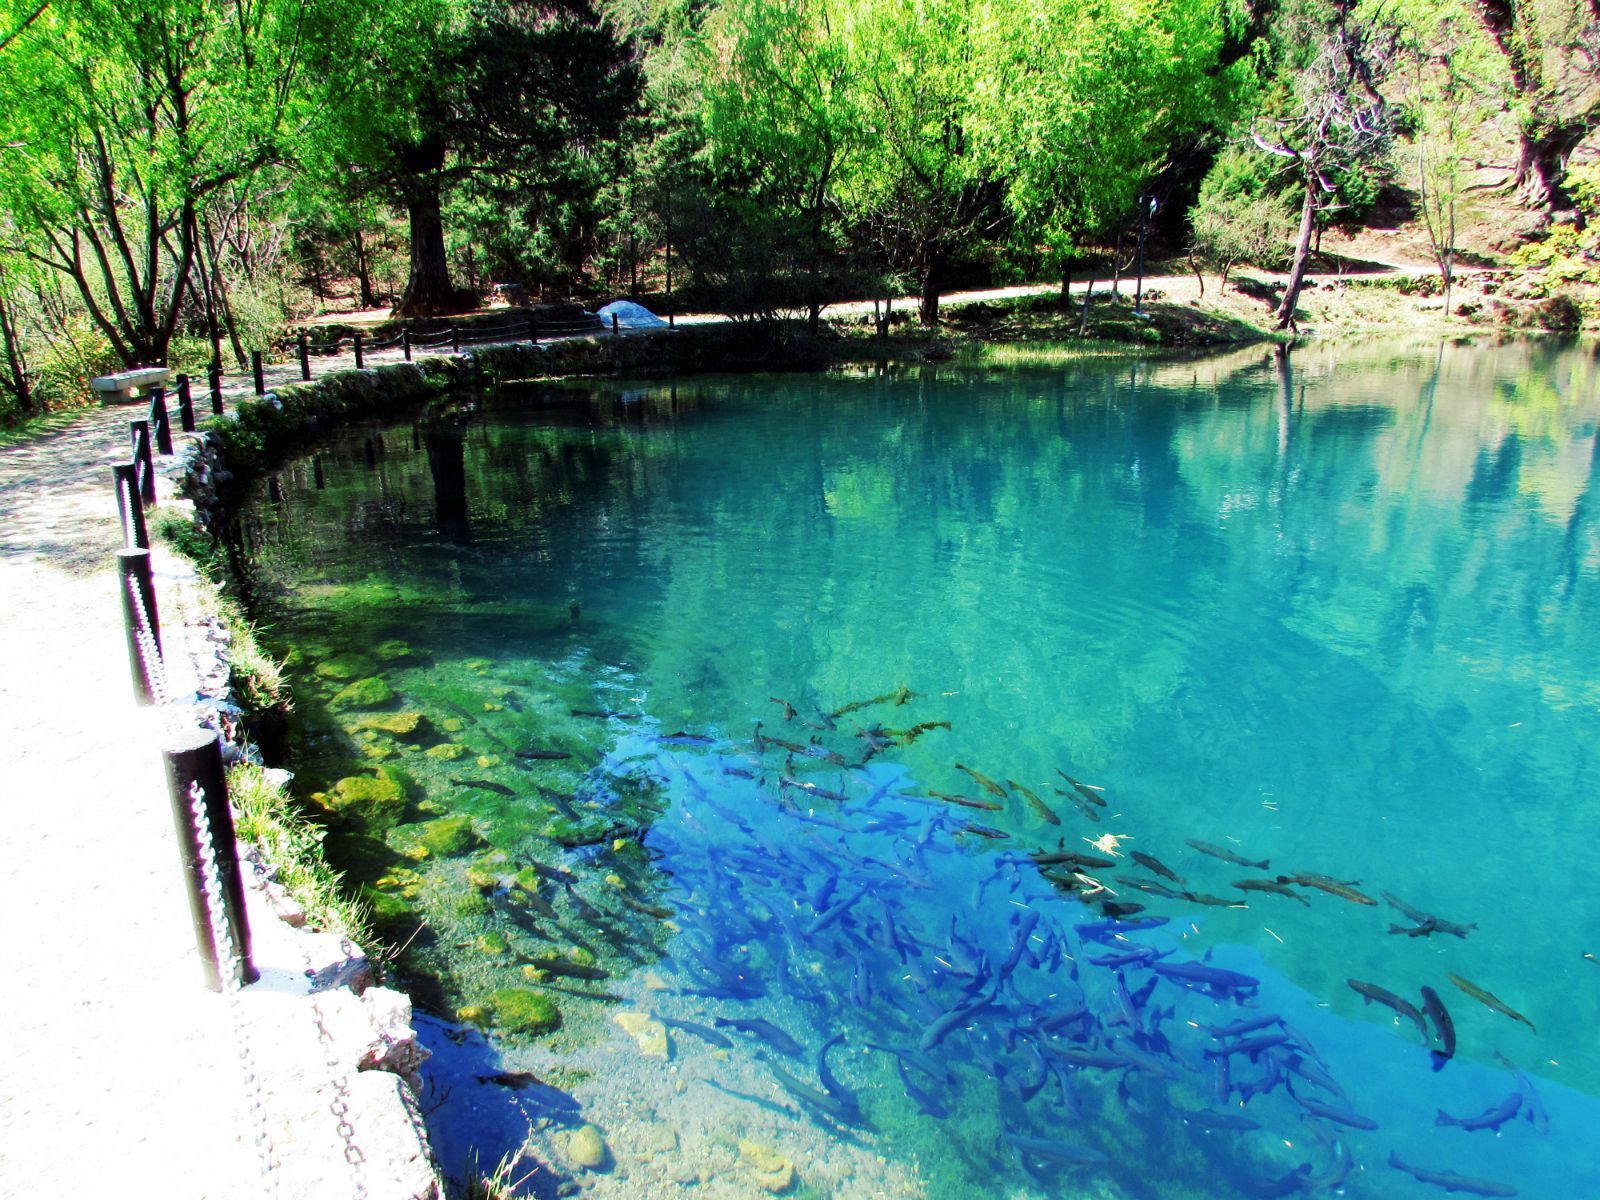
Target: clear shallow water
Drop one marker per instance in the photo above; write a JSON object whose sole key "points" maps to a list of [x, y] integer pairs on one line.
{"points": [[1335, 614]]}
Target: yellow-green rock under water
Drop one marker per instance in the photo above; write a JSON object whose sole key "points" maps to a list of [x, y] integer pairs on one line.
{"points": [[521, 1010]]}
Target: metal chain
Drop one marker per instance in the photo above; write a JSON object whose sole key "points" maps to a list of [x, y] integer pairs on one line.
{"points": [[125, 495], [155, 670], [339, 1106], [228, 968]]}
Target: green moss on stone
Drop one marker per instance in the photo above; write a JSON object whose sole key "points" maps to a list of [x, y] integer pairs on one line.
{"points": [[523, 1011], [343, 667], [371, 692], [393, 650], [408, 726], [448, 836], [379, 800], [447, 751], [493, 942]]}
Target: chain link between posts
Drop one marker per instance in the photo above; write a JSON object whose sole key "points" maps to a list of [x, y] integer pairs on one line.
{"points": [[339, 1076], [228, 968]]}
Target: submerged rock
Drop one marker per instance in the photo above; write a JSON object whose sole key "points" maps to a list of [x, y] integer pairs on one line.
{"points": [[647, 1031], [343, 667], [371, 692], [407, 726], [521, 1010], [770, 1170], [378, 800], [447, 751], [448, 836], [586, 1149]]}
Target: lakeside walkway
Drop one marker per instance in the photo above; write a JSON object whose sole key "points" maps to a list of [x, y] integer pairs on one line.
{"points": [[115, 1062]]}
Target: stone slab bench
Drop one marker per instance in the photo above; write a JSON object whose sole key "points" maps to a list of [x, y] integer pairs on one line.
{"points": [[128, 385]]}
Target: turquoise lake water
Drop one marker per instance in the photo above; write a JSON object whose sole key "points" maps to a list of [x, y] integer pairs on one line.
{"points": [[1336, 611]]}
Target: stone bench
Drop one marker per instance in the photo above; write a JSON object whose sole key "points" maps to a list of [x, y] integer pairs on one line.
{"points": [[128, 385]]}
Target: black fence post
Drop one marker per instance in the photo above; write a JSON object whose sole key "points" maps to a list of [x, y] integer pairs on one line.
{"points": [[455, 338], [316, 474], [405, 343], [533, 329], [160, 425], [256, 370], [130, 506], [214, 381], [139, 612], [305, 359], [613, 324], [360, 361], [142, 461], [194, 757], [185, 405]]}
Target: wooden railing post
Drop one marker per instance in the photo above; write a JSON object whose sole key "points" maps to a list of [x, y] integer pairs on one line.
{"points": [[160, 426], [194, 758], [185, 405], [360, 361], [614, 326], [305, 359], [405, 343], [257, 370], [455, 338], [533, 329], [214, 381], [130, 506], [139, 612]]}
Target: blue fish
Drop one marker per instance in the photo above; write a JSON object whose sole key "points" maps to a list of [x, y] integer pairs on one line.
{"points": [[1055, 1150], [1489, 1118], [1204, 977], [1450, 1181]]}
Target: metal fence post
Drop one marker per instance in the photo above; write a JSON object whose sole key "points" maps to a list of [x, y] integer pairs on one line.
{"points": [[185, 405], [455, 338], [195, 757], [613, 324], [405, 343], [160, 424], [305, 359], [126, 480], [360, 362], [142, 461], [214, 381], [533, 329], [316, 474], [138, 592], [256, 370]]}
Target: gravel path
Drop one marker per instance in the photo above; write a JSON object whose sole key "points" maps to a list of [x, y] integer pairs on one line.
{"points": [[118, 1070]]}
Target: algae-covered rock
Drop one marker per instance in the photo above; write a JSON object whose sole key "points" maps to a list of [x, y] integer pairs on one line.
{"points": [[524, 1011], [378, 800], [447, 751], [469, 904], [449, 836], [392, 918], [452, 724], [343, 667], [408, 726], [483, 878], [575, 964], [770, 1170], [371, 692], [477, 664], [473, 1014], [493, 942], [393, 650], [490, 707], [377, 752], [586, 1149]]}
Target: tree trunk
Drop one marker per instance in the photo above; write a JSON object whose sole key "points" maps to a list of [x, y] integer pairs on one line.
{"points": [[358, 243], [1066, 288], [16, 364], [428, 290], [1302, 252], [1083, 317], [928, 308]]}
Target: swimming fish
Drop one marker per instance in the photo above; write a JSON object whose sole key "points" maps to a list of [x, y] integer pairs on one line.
{"points": [[788, 709], [906, 736], [680, 738], [1153, 864], [487, 785], [965, 802], [1055, 1150], [1212, 901], [1275, 886], [1344, 889], [901, 695], [513, 1079], [1488, 999], [764, 1030], [601, 714], [983, 831], [983, 781], [1083, 789], [1450, 1181], [1228, 856], [543, 755], [1489, 1118], [1038, 805], [1444, 1029], [1532, 1106], [1432, 923], [1371, 991]]}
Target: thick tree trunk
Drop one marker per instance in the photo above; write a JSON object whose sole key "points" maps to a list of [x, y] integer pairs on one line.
{"points": [[16, 364], [429, 292], [1302, 253], [928, 307]]}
